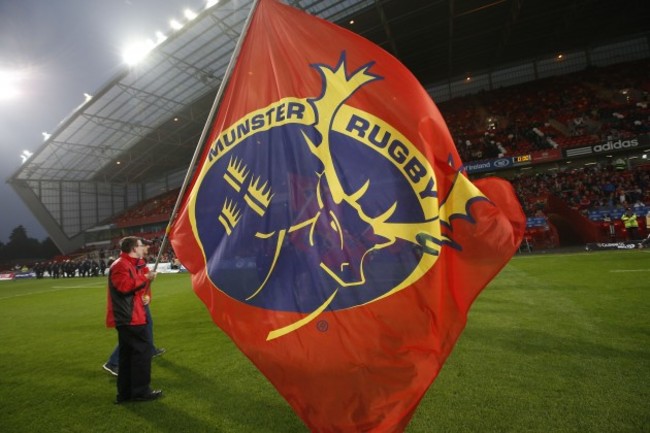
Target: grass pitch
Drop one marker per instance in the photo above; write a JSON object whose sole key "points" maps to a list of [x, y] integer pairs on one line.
{"points": [[556, 343]]}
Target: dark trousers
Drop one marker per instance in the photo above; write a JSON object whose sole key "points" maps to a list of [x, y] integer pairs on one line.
{"points": [[114, 359], [135, 362], [632, 233]]}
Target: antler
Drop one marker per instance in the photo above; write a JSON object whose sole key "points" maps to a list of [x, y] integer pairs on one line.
{"points": [[338, 87]]}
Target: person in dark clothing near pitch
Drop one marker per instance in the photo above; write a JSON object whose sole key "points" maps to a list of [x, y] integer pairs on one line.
{"points": [[126, 312]]}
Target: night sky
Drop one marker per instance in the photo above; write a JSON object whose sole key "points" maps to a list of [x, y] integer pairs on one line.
{"points": [[62, 49]]}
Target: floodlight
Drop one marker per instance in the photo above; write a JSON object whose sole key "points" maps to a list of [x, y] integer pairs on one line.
{"points": [[46, 136], [160, 37], [136, 52], [88, 96], [175, 25], [25, 155], [9, 84], [210, 3], [189, 14]]}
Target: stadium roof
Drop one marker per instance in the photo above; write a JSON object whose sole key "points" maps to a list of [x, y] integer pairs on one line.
{"points": [[147, 120], [145, 123]]}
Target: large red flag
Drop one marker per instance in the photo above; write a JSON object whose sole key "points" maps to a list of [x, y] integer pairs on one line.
{"points": [[329, 228]]}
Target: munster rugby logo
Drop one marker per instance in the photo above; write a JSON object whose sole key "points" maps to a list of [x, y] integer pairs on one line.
{"points": [[310, 205]]}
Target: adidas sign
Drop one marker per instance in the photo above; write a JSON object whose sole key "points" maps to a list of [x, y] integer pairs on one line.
{"points": [[616, 145]]}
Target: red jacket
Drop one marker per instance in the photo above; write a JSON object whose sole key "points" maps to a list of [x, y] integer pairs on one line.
{"points": [[142, 267], [126, 285]]}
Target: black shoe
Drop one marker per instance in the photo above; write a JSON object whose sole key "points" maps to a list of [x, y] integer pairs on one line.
{"points": [[112, 369], [159, 351], [153, 395], [120, 400]]}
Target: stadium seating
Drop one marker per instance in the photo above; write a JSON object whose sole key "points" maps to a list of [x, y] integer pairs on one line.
{"points": [[156, 209], [597, 193], [588, 107], [564, 112]]}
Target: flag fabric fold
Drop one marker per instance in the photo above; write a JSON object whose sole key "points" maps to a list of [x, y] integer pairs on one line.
{"points": [[329, 228]]}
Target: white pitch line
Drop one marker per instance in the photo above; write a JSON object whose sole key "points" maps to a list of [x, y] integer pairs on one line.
{"points": [[82, 286], [538, 255], [629, 270], [56, 289]]}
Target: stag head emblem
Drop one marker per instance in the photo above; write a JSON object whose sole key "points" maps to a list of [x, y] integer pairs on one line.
{"points": [[344, 229]]}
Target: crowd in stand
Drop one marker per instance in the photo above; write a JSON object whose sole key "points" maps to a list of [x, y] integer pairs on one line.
{"points": [[589, 188], [592, 106], [609, 188]]}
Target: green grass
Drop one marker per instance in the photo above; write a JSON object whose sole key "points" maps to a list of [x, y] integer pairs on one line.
{"points": [[557, 343]]}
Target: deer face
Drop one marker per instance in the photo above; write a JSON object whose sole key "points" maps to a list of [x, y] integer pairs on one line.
{"points": [[343, 237]]}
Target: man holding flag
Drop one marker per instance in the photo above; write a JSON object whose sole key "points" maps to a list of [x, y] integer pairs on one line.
{"points": [[112, 365], [127, 287], [329, 226]]}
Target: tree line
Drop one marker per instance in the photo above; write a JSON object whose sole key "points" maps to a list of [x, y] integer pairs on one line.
{"points": [[21, 247]]}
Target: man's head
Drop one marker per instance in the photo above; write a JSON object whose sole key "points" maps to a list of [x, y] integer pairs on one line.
{"points": [[147, 243], [132, 246]]}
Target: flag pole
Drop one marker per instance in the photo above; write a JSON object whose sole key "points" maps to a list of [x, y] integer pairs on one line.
{"points": [[206, 128]]}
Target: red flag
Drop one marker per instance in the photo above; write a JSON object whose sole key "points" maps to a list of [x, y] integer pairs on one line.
{"points": [[329, 229]]}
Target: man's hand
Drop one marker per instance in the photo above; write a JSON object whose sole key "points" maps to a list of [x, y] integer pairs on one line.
{"points": [[146, 299], [151, 275]]}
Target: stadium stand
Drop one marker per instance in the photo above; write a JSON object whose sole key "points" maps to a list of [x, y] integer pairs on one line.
{"points": [[100, 175], [596, 196], [154, 210], [587, 107], [572, 110]]}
